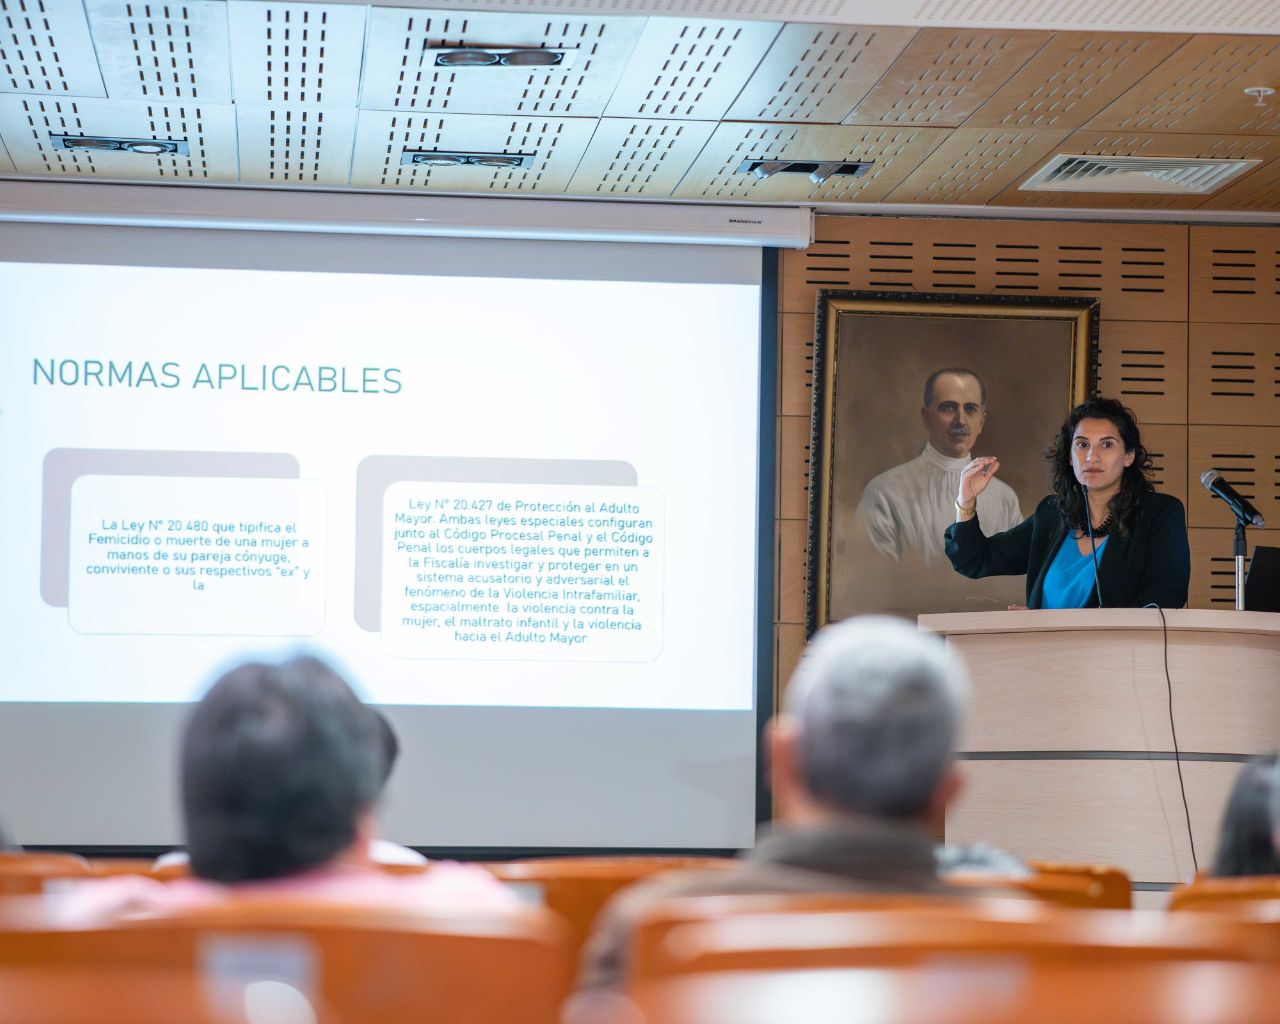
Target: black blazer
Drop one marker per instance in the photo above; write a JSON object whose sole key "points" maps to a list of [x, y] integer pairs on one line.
{"points": [[1151, 564]]}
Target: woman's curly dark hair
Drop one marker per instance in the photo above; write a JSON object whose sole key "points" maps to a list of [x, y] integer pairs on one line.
{"points": [[1134, 483]]}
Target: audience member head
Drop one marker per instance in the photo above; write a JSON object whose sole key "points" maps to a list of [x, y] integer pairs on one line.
{"points": [[870, 724], [1246, 843], [388, 746], [280, 766]]}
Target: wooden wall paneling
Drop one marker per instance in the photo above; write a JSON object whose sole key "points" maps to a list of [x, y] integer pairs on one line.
{"points": [[1235, 374], [945, 75], [827, 263], [1167, 445], [1138, 271], [974, 165], [1213, 570], [796, 377], [793, 467], [793, 538], [1145, 366], [1236, 277], [1248, 458], [1123, 812], [1201, 89], [1074, 77], [790, 645]]}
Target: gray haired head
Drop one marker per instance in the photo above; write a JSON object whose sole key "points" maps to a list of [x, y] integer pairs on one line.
{"points": [[878, 706]]}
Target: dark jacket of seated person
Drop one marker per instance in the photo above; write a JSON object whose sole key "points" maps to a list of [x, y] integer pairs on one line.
{"points": [[1102, 507], [862, 767]]}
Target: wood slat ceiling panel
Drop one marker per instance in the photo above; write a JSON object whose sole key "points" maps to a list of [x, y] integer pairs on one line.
{"points": [[1145, 366], [556, 145], [1138, 271], [306, 145], [1213, 564], [639, 158], [1259, 190], [1090, 143], [945, 75], [47, 50], [398, 76], [1235, 374], [894, 153], [209, 131], [296, 54], [973, 166], [1236, 275], [163, 51], [690, 69], [1247, 457], [1072, 78], [1201, 89], [1167, 445], [818, 73]]}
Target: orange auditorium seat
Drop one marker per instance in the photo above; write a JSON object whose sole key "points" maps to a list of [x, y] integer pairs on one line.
{"points": [[577, 887], [25, 874], [329, 963], [802, 933], [1224, 894], [1065, 885]]}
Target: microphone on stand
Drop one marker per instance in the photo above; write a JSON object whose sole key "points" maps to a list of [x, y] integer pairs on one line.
{"points": [[1246, 516], [1238, 504], [1088, 522]]}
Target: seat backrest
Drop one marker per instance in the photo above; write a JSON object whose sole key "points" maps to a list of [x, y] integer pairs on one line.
{"points": [[1065, 885], [352, 964], [789, 933], [25, 874], [1112, 887], [949, 992], [1224, 894], [577, 888]]}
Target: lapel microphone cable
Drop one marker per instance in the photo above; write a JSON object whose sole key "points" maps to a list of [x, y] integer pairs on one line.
{"points": [[1093, 547]]}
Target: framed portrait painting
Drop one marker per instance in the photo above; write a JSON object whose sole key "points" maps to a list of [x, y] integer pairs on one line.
{"points": [[907, 389]]}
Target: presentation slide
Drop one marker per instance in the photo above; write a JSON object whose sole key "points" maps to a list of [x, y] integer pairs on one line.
{"points": [[464, 493], [522, 513]]}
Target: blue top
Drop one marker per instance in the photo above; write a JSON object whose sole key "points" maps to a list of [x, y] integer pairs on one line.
{"points": [[1069, 581]]}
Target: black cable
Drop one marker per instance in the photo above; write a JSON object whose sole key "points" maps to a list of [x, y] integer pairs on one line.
{"points": [[1088, 521], [1177, 754]]}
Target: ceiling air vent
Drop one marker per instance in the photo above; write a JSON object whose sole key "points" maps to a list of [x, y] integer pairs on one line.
{"points": [[1177, 175]]}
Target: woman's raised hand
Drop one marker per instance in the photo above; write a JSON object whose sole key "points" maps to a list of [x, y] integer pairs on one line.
{"points": [[974, 479]]}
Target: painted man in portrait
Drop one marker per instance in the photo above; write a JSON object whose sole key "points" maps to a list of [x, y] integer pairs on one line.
{"points": [[907, 508]]}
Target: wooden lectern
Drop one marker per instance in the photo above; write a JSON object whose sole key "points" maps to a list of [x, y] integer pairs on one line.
{"points": [[1070, 744]]}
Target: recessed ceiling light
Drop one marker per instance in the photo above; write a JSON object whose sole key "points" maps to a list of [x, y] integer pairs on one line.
{"points": [[115, 144], [442, 158], [532, 58], [497, 57], [466, 58]]}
